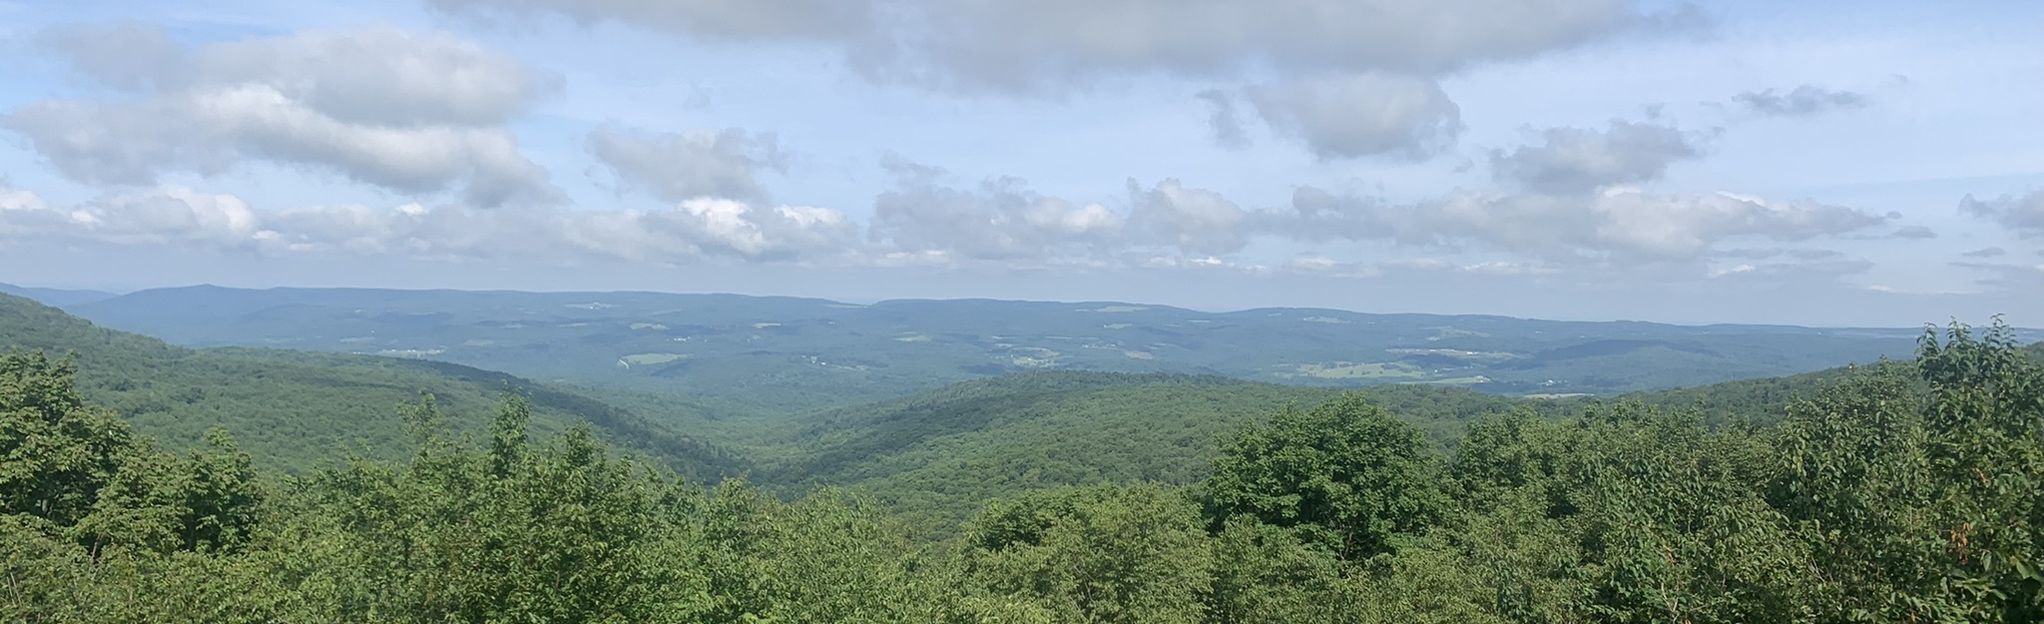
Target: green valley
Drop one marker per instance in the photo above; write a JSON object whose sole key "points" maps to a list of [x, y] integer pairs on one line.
{"points": [[782, 354], [1021, 312], [1886, 492]]}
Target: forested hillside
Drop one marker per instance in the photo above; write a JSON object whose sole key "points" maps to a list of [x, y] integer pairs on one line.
{"points": [[932, 457], [946, 452], [1763, 400], [1903, 493], [936, 456], [294, 410], [1766, 400]]}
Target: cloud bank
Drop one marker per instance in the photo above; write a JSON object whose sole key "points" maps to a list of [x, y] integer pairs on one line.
{"points": [[406, 111]]}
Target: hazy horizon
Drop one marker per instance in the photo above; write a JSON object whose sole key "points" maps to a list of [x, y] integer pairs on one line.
{"points": [[1739, 162], [1982, 320]]}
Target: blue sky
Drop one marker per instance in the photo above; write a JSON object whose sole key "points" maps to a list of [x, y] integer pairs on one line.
{"points": [[1593, 159]]}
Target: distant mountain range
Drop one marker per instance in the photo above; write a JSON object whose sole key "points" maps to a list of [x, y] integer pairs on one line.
{"points": [[901, 400], [789, 354], [56, 296]]}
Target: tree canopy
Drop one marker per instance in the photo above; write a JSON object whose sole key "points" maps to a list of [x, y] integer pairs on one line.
{"points": [[1902, 493]]}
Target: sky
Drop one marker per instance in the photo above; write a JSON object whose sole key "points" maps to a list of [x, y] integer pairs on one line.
{"points": [[1817, 163]]}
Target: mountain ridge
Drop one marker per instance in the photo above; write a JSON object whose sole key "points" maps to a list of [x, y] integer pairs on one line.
{"points": [[792, 354], [299, 410], [209, 287]]}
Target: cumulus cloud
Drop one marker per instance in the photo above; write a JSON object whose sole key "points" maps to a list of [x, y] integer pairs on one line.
{"points": [[675, 167], [693, 230], [1615, 224], [1571, 160], [923, 220], [1686, 225], [1005, 45], [1190, 219], [411, 112], [1036, 46], [1001, 219], [173, 216], [2024, 214], [1356, 115], [20, 200], [1802, 101], [722, 227], [1322, 265], [1353, 77]]}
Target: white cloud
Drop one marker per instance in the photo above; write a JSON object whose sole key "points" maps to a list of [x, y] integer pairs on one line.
{"points": [[1013, 46], [1581, 159], [1001, 219], [1353, 77], [999, 222], [373, 74], [725, 227], [675, 167], [412, 112], [1356, 115], [173, 216], [1049, 45], [692, 231], [17, 199], [1194, 220], [1617, 223], [1322, 265], [1682, 226]]}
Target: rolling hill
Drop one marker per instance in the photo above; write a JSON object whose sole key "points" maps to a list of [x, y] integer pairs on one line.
{"points": [[295, 410], [943, 453], [944, 435], [786, 354], [1767, 399]]}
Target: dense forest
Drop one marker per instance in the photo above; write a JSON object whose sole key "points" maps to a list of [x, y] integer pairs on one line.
{"points": [[939, 456], [1893, 493]]}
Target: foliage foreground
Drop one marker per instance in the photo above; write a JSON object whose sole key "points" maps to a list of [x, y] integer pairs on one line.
{"points": [[1900, 494]]}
